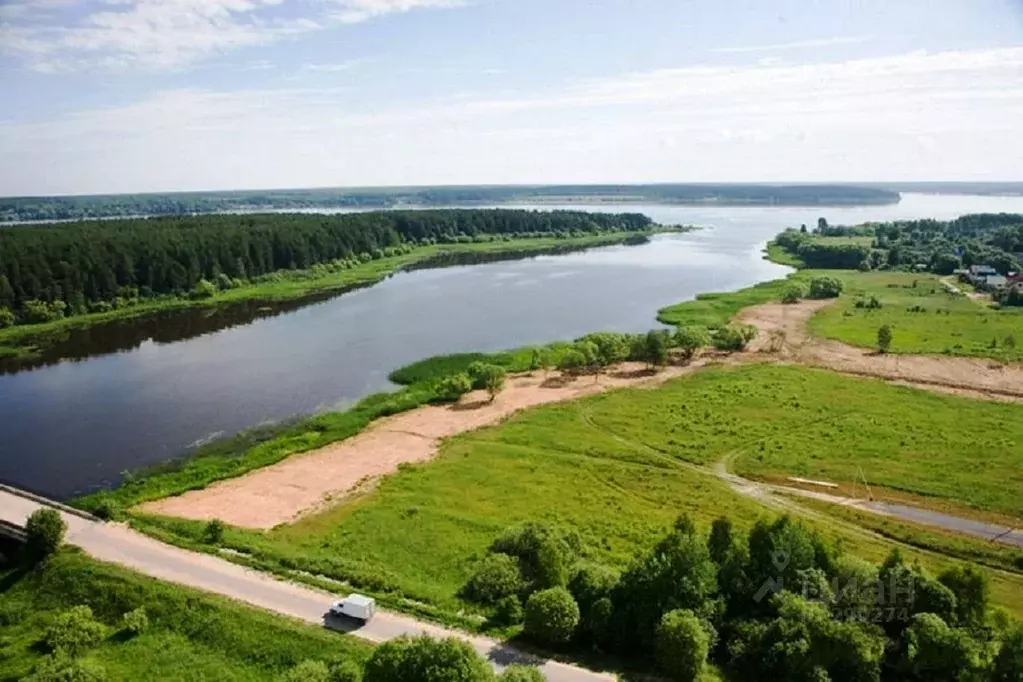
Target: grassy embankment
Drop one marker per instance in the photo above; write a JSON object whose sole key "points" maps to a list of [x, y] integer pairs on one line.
{"points": [[191, 635], [27, 341], [617, 468]]}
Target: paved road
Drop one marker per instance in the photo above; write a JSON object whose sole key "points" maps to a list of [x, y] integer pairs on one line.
{"points": [[119, 544]]}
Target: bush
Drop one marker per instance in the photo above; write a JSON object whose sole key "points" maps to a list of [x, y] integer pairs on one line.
{"points": [[454, 387], [345, 671], [825, 287], [733, 338], [214, 531], [591, 583], [682, 645], [498, 576], [74, 631], [35, 312], [551, 616], [422, 659], [508, 611], [136, 621], [1008, 663], [691, 339], [544, 554], [599, 621], [521, 673], [6, 318], [204, 289], [884, 338], [793, 294], [62, 668], [572, 360], [308, 671], [44, 533]]}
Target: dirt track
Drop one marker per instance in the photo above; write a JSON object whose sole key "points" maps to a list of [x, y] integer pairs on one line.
{"points": [[302, 484]]}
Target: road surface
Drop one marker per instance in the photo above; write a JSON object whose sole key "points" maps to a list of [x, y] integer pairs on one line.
{"points": [[119, 544]]}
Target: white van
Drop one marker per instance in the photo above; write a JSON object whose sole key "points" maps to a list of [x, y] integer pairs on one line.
{"points": [[355, 606]]}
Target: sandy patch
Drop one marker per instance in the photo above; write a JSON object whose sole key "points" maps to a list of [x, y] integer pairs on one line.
{"points": [[300, 484], [783, 333]]}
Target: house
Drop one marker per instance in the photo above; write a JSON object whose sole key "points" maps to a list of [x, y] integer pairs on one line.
{"points": [[982, 270], [992, 282]]}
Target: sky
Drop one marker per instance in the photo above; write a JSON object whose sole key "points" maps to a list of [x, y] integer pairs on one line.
{"points": [[108, 96]]}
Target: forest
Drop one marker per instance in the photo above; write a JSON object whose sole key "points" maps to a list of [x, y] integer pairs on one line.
{"points": [[47, 272], [185, 203], [994, 239]]}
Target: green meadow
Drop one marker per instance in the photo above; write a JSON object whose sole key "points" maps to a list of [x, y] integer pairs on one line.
{"points": [[190, 635]]}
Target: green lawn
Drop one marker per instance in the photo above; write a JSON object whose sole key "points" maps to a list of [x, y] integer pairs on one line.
{"points": [[952, 325], [617, 468], [191, 635], [717, 309]]}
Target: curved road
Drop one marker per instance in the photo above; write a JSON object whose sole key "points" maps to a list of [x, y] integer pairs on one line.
{"points": [[119, 544]]}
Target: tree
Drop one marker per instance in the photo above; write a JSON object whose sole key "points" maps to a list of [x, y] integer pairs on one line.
{"points": [[453, 387], [794, 294], [884, 338], [487, 376], [540, 359], [656, 347], [544, 554], [345, 671], [932, 651], [508, 610], [944, 263], [571, 360], [599, 622], [691, 339], [204, 289], [494, 382], [971, 591], [825, 287], [6, 318], [610, 348], [521, 673], [135, 621], [308, 671], [496, 577], [682, 645], [1007, 665], [734, 338], [551, 616], [822, 225], [720, 542], [423, 659], [74, 631], [44, 533], [591, 583]]}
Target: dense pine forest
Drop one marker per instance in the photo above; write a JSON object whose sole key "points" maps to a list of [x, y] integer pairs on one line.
{"points": [[184, 203], [48, 272]]}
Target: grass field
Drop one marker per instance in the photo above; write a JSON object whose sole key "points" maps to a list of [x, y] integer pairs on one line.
{"points": [[715, 310], [191, 636], [947, 324], [27, 341], [617, 468]]}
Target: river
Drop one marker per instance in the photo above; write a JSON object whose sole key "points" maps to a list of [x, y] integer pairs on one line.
{"points": [[76, 425]]}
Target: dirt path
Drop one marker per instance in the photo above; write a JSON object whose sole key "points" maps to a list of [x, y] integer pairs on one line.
{"points": [[783, 334], [302, 484], [305, 483]]}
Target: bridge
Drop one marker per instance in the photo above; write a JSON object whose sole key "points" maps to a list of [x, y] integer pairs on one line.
{"points": [[118, 544]]}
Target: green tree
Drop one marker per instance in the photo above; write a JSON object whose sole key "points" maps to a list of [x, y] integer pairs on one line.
{"points": [[204, 289], [508, 610], [571, 361], [599, 622], [494, 381], [656, 346], [971, 591], [734, 338], [453, 387], [135, 621], [74, 631], [487, 376], [521, 673], [682, 645], [884, 338], [825, 287], [1007, 665], [423, 659], [691, 339], [610, 348], [6, 318], [496, 577], [44, 533], [934, 652], [944, 263], [551, 616], [720, 542], [544, 554], [590, 583], [7, 299], [308, 671]]}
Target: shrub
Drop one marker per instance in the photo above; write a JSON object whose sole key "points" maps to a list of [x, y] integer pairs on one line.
{"points": [[308, 671], [136, 621], [214, 531], [61, 668], [793, 294], [521, 673], [682, 645], [1008, 663], [345, 671], [74, 631], [544, 554], [6, 318], [884, 338], [498, 576], [204, 289], [508, 611], [551, 616], [107, 509], [44, 533], [422, 659], [733, 338], [34, 311], [591, 583], [825, 287], [454, 387], [691, 339], [599, 621], [572, 360]]}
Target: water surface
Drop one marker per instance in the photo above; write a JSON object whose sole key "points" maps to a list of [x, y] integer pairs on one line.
{"points": [[75, 425]]}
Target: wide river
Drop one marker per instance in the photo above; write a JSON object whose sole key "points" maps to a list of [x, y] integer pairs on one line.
{"points": [[142, 393]]}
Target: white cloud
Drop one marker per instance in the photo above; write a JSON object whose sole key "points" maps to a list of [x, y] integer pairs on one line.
{"points": [[167, 34], [797, 44], [955, 114]]}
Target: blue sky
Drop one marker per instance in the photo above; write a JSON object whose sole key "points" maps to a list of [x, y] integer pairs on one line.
{"points": [[160, 95]]}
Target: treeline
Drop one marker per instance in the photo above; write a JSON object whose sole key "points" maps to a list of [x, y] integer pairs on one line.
{"points": [[778, 603], [47, 272], [185, 203], [942, 246]]}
